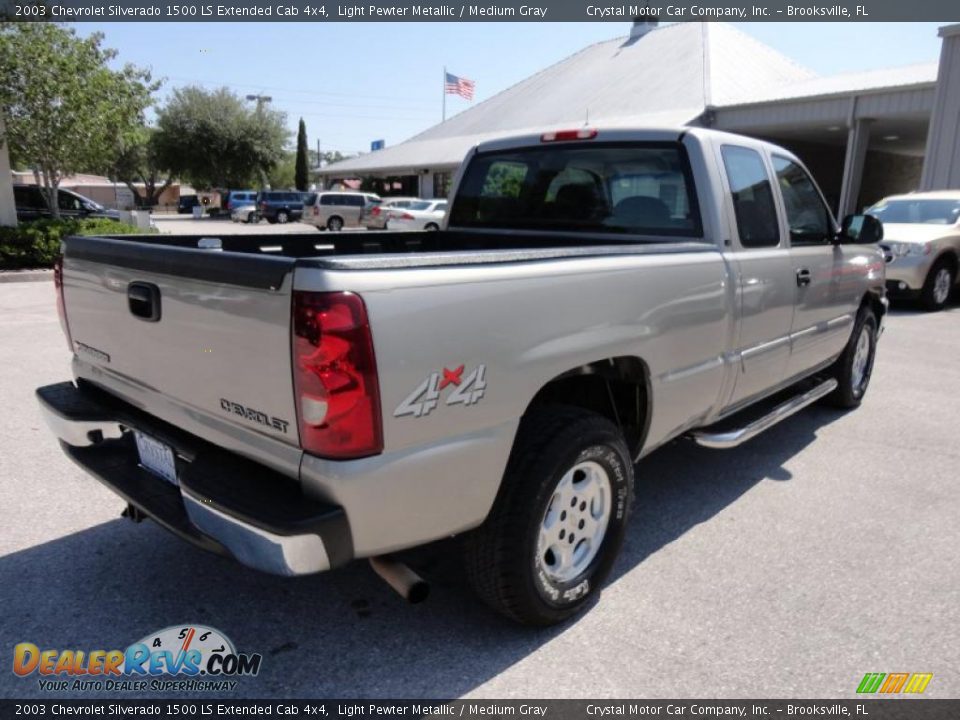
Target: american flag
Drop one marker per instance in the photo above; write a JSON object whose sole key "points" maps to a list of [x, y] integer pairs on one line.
{"points": [[458, 86]]}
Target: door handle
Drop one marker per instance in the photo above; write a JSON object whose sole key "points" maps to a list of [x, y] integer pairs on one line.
{"points": [[143, 299], [803, 277]]}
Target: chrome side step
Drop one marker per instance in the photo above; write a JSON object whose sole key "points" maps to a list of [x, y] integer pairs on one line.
{"points": [[731, 438]]}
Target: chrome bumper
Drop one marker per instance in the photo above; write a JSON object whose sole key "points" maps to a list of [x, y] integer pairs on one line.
{"points": [[224, 503]]}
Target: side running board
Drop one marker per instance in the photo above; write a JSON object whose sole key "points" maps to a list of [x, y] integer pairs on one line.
{"points": [[736, 436]]}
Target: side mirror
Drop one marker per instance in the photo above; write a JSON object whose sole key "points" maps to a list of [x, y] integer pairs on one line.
{"points": [[861, 229]]}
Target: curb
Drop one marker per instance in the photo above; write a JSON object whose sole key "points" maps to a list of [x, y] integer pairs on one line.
{"points": [[26, 276]]}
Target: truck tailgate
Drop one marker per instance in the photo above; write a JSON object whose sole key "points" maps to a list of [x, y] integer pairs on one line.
{"points": [[206, 330]]}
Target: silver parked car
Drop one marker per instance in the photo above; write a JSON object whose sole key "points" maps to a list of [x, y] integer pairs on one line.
{"points": [[244, 213], [921, 244], [375, 216]]}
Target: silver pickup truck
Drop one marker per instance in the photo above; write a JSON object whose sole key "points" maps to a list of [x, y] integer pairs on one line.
{"points": [[296, 402]]}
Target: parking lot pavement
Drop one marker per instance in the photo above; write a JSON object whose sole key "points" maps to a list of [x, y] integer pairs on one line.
{"points": [[822, 550], [187, 225]]}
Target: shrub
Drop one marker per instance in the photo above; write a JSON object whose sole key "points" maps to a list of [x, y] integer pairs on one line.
{"points": [[36, 244]]}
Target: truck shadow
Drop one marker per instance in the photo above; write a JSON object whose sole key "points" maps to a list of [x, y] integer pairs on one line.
{"points": [[341, 634]]}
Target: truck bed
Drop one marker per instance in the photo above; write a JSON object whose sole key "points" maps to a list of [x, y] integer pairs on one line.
{"points": [[261, 260]]}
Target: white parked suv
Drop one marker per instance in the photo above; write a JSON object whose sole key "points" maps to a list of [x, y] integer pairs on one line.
{"points": [[921, 245]]}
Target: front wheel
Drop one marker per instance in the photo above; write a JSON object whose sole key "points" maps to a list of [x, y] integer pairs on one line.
{"points": [[939, 283], [251, 218], [283, 217], [335, 224], [559, 520], [855, 366], [431, 227]]}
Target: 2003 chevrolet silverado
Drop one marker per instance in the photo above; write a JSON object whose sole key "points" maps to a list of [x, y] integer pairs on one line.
{"points": [[592, 295]]}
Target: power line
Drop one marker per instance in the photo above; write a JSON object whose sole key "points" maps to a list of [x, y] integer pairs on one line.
{"points": [[220, 83]]}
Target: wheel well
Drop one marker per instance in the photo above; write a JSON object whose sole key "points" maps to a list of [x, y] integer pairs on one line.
{"points": [[950, 258], [872, 301], [617, 388]]}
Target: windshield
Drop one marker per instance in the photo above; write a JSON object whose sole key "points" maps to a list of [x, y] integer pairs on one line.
{"points": [[926, 212], [638, 188]]}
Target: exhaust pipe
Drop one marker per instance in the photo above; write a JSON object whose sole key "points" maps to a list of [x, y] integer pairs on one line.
{"points": [[410, 586]]}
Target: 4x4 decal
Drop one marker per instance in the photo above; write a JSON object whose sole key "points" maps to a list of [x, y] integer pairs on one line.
{"points": [[424, 399]]}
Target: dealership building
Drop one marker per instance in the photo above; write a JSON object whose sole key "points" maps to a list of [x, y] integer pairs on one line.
{"points": [[864, 135]]}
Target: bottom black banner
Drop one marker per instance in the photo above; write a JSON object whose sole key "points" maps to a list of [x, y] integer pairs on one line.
{"points": [[892, 709]]}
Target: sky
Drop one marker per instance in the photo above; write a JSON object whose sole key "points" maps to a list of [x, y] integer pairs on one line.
{"points": [[353, 83]]}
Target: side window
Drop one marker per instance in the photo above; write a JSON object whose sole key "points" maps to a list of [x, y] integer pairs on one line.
{"points": [[67, 201], [807, 216], [753, 203]]}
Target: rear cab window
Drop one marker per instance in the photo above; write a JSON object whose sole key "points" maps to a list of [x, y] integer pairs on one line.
{"points": [[619, 188]]}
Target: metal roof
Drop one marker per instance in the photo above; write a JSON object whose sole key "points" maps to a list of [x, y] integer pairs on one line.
{"points": [[846, 84], [666, 77]]}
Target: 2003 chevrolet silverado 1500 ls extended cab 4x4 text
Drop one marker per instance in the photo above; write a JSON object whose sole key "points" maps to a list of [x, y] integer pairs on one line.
{"points": [[592, 295]]}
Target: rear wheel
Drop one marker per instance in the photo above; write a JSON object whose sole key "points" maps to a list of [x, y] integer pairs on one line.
{"points": [[855, 366], [432, 226], [559, 520], [283, 217], [939, 283], [335, 224]]}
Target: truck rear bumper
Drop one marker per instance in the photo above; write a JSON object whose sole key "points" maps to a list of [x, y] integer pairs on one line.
{"points": [[223, 503]]}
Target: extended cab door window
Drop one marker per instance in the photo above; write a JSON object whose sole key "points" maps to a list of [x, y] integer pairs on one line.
{"points": [[753, 205], [807, 215]]}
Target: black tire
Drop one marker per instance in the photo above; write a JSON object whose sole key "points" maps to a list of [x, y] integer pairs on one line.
{"points": [[432, 227], [853, 383], [932, 297], [335, 224], [251, 218], [283, 217], [503, 563]]}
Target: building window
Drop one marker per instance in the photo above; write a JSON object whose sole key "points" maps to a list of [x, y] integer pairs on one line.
{"points": [[441, 184]]}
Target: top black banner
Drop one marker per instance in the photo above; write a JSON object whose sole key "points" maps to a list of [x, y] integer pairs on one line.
{"points": [[483, 11]]}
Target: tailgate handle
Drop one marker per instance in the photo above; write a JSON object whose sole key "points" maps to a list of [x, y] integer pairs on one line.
{"points": [[144, 300]]}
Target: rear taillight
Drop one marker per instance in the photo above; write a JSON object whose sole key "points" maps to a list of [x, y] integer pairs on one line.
{"points": [[316, 210], [375, 211], [335, 376], [263, 207], [565, 135], [61, 304]]}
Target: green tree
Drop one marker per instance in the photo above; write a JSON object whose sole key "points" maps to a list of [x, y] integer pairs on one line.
{"points": [[138, 161], [213, 139], [283, 175], [302, 176], [64, 109]]}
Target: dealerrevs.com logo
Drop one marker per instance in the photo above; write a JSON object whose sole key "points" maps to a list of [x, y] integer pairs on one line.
{"points": [[177, 658]]}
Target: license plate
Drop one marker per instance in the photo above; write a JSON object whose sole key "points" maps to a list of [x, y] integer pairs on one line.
{"points": [[157, 457]]}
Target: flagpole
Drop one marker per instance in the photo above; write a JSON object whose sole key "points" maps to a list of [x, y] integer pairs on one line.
{"points": [[444, 88]]}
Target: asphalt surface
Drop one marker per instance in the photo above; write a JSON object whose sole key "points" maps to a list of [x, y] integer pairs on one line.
{"points": [[822, 550]]}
